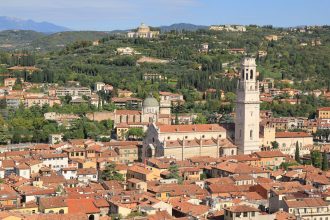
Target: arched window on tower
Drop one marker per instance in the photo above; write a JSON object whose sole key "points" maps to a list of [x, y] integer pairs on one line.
{"points": [[251, 134], [251, 74], [247, 76]]}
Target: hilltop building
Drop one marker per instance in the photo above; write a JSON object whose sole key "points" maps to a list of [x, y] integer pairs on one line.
{"points": [[143, 31], [247, 109]]}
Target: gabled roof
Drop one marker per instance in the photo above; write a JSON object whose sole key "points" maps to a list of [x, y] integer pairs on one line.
{"points": [[269, 154], [82, 205], [306, 202], [287, 134], [242, 208]]}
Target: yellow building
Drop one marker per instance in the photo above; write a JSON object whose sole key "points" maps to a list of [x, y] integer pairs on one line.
{"points": [[143, 173], [270, 159], [53, 205], [28, 208], [323, 113], [267, 136]]}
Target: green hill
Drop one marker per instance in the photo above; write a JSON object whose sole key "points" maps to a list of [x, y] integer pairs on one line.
{"points": [[21, 39], [59, 40], [14, 39]]}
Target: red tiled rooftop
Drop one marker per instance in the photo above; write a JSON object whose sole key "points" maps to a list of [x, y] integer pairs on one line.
{"points": [[190, 128], [287, 134], [82, 206]]}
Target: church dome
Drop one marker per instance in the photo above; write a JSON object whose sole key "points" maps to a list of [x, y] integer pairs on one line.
{"points": [[150, 101], [143, 28]]}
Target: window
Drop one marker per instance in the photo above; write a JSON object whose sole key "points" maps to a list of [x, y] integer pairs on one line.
{"points": [[247, 76], [203, 136], [253, 214], [186, 137], [251, 74], [238, 214], [251, 134], [245, 214]]}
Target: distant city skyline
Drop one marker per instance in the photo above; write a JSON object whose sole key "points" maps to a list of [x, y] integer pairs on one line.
{"points": [[126, 14]]}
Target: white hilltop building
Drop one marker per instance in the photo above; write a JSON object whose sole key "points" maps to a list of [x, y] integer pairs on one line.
{"points": [[143, 31], [247, 109]]}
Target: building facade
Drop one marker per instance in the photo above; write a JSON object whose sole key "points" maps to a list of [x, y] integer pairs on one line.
{"points": [[185, 141]]}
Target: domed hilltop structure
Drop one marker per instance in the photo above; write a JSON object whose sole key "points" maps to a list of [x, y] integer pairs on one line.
{"points": [[150, 109], [143, 31], [143, 28]]}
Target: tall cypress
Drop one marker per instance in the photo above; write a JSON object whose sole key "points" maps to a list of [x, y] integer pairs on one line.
{"points": [[297, 154], [325, 164]]}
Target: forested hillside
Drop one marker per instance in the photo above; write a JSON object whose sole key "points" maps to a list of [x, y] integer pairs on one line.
{"points": [[300, 56]]}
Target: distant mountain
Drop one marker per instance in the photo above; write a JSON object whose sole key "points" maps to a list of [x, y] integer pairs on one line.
{"points": [[8, 23], [182, 26]]}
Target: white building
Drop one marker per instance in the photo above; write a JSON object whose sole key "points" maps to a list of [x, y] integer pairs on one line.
{"points": [[55, 161], [87, 174], [247, 109], [69, 172], [125, 51], [22, 170], [99, 86]]}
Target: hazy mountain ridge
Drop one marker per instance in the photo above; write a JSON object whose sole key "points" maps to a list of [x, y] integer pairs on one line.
{"points": [[182, 26], [8, 23]]}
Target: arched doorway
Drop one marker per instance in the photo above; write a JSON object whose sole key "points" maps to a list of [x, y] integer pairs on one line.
{"points": [[91, 217], [149, 152], [61, 211]]}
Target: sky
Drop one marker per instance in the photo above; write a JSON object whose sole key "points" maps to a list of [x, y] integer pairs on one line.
{"points": [[126, 14]]}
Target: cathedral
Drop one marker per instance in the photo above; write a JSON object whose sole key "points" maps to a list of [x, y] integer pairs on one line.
{"points": [[247, 109]]}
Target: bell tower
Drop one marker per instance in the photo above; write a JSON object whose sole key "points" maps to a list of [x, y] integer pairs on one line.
{"points": [[247, 109]]}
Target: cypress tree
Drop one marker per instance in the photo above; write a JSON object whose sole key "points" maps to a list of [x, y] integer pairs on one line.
{"points": [[325, 164], [297, 154]]}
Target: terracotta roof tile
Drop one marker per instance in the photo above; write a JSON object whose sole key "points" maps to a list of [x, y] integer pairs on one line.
{"points": [[190, 128]]}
